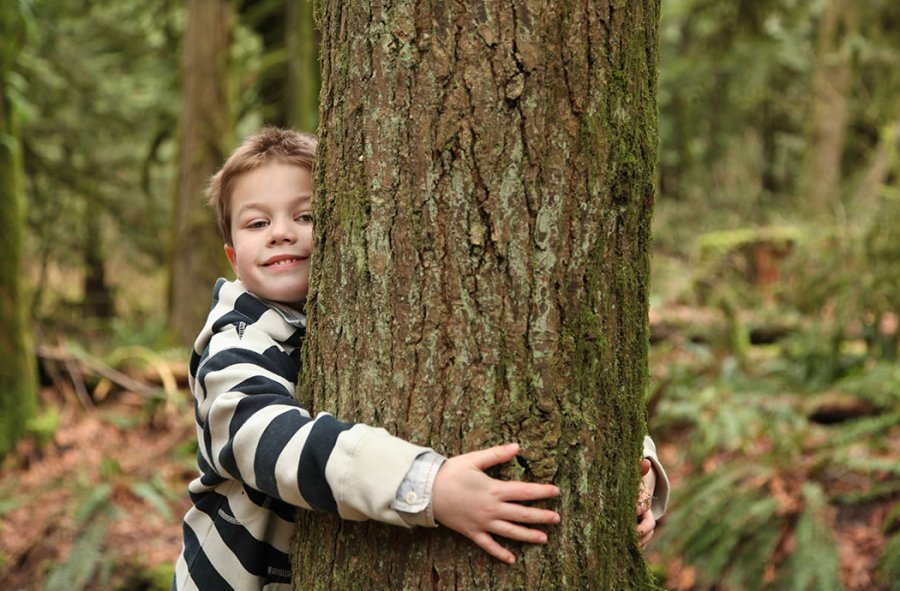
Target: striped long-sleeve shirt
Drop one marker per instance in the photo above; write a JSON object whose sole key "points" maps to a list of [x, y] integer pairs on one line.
{"points": [[261, 455]]}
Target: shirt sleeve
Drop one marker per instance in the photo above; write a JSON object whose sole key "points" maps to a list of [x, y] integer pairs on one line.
{"points": [[413, 498], [661, 492], [252, 430]]}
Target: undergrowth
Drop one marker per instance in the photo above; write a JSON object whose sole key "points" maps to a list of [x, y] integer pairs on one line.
{"points": [[766, 479]]}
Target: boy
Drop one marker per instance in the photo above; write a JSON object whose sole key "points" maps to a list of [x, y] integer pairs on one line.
{"points": [[260, 454]]}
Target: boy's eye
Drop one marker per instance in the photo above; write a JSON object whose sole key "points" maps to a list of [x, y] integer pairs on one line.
{"points": [[256, 224], [305, 218]]}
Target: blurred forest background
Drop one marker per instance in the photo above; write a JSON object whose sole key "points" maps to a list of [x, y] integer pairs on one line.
{"points": [[775, 390]]}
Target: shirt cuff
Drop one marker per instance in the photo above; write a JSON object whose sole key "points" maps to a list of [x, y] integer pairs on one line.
{"points": [[661, 492], [413, 499]]}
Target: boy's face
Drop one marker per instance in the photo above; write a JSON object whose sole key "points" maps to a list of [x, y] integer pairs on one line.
{"points": [[272, 232]]}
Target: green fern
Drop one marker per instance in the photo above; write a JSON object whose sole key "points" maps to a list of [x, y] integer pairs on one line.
{"points": [[151, 493], [857, 430], [748, 567], [814, 565], [724, 520], [78, 571], [889, 566], [726, 525]]}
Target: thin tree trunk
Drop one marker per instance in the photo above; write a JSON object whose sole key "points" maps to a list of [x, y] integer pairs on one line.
{"points": [[830, 105], [484, 195], [303, 79], [98, 296], [196, 258], [18, 379]]}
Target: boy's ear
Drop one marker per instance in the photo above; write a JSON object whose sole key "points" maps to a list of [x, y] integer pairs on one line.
{"points": [[229, 252]]}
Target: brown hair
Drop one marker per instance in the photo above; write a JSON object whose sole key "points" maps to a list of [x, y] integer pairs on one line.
{"points": [[270, 144]]}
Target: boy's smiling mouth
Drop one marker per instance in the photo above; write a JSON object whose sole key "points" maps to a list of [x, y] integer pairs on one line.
{"points": [[283, 260]]}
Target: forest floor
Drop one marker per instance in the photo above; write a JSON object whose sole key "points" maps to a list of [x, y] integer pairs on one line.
{"points": [[97, 505]]}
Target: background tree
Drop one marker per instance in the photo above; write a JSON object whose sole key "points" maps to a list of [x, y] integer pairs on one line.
{"points": [[99, 142], [484, 197], [303, 78], [18, 380], [830, 109], [288, 80], [196, 255]]}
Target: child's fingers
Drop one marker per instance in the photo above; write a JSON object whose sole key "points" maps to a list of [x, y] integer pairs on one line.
{"points": [[515, 490], [646, 524], [523, 514], [517, 532], [646, 527], [485, 458], [490, 545], [645, 466], [645, 540]]}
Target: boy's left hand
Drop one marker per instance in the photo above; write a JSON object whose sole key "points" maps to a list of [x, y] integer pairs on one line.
{"points": [[646, 523]]}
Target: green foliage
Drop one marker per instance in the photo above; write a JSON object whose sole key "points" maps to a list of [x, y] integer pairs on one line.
{"points": [[80, 569], [762, 495], [714, 524], [88, 561], [101, 85], [43, 427], [154, 493], [157, 578], [815, 563], [736, 94], [889, 567]]}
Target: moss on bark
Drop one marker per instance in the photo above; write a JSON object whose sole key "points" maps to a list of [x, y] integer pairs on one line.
{"points": [[18, 380]]}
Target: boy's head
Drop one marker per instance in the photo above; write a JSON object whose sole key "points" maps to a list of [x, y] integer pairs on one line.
{"points": [[271, 144], [263, 201]]}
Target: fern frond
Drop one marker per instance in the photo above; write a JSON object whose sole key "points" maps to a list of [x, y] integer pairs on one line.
{"points": [[815, 564], [77, 571], [855, 431], [889, 566]]}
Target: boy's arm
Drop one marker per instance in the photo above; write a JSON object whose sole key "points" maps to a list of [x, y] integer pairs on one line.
{"points": [[252, 430]]}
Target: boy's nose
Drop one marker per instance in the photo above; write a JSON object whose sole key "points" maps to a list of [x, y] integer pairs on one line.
{"points": [[282, 232]]}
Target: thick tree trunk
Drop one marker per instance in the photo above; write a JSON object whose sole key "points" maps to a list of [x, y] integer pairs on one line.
{"points": [[196, 259], [485, 187], [18, 380]]}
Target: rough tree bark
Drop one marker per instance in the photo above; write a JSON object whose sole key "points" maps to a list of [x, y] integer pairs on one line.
{"points": [[196, 257], [484, 195], [18, 379]]}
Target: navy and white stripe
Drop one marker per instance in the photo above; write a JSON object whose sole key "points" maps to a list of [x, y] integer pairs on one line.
{"points": [[261, 455]]}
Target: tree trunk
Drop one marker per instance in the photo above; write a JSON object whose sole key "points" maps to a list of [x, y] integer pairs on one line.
{"points": [[830, 105], [303, 79], [484, 194], [196, 258], [18, 379], [98, 295]]}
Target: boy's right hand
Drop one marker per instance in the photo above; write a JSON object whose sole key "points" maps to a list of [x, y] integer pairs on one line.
{"points": [[468, 501]]}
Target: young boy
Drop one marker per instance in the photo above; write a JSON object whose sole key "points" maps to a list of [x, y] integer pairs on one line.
{"points": [[261, 455]]}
